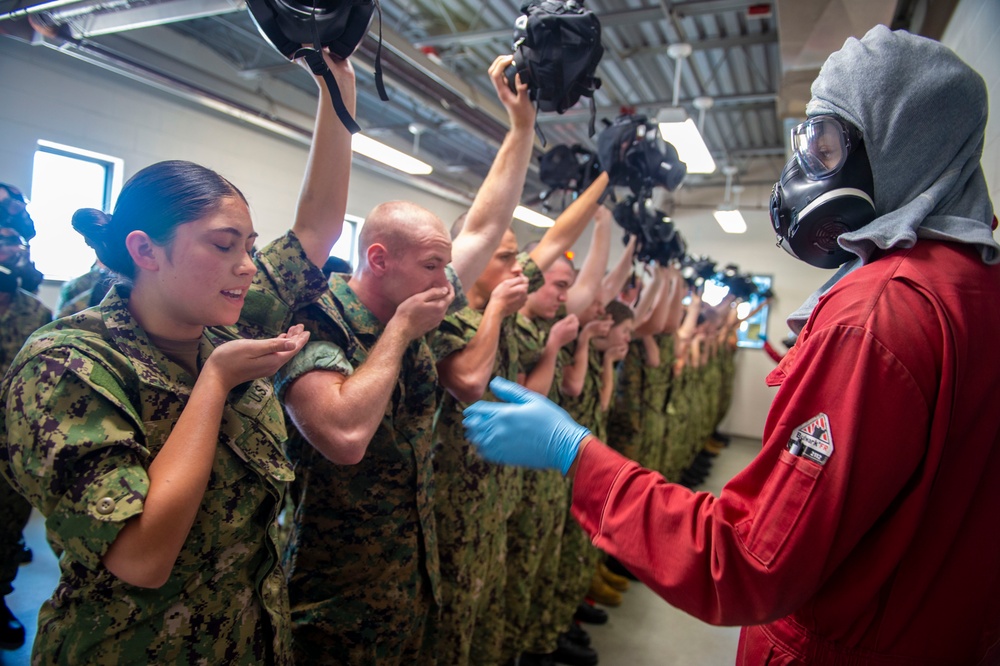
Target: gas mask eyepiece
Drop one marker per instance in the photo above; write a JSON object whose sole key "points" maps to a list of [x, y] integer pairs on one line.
{"points": [[824, 191]]}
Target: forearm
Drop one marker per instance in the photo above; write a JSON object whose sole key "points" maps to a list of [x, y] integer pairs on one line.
{"points": [[540, 378], [652, 350], [575, 375], [493, 208], [687, 326], [585, 288], [570, 224], [319, 216], [607, 383], [338, 415], [614, 281], [145, 550], [467, 372], [648, 301]]}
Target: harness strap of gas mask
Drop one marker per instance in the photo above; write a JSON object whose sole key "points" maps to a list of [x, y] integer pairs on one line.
{"points": [[317, 64]]}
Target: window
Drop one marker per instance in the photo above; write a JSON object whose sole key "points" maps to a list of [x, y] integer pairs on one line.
{"points": [[346, 246], [65, 179], [752, 332]]}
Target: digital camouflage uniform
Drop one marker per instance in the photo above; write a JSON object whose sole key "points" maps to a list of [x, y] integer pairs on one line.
{"points": [[534, 531], [79, 293], [578, 557], [625, 417], [363, 559], [654, 404], [24, 314], [472, 503], [88, 405], [727, 376]]}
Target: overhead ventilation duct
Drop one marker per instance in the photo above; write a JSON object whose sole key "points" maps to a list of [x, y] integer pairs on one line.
{"points": [[93, 18]]}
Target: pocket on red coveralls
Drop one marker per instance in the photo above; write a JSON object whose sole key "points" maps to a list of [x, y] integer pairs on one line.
{"points": [[781, 501]]}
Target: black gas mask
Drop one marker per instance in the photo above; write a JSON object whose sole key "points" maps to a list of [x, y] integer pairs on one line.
{"points": [[338, 25], [825, 190], [16, 229]]}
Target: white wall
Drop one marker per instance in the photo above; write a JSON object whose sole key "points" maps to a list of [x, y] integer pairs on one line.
{"points": [[974, 34]]}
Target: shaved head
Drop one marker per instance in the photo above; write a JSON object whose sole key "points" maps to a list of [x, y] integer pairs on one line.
{"points": [[397, 225]]}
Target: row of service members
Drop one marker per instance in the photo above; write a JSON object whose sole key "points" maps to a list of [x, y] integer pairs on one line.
{"points": [[493, 531]]}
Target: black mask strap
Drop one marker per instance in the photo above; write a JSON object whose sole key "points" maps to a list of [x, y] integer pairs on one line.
{"points": [[379, 85], [314, 58]]}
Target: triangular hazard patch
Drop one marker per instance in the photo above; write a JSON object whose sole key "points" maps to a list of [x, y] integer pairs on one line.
{"points": [[818, 428]]}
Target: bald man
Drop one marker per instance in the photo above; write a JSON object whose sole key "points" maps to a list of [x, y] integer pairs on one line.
{"points": [[362, 398]]}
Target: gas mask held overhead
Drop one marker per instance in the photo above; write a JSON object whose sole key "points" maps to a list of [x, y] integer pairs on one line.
{"points": [[824, 191]]}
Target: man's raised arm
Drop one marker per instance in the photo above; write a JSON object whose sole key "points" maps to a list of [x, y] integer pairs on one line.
{"points": [[491, 212]]}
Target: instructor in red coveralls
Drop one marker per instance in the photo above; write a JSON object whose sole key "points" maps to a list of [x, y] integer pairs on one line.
{"points": [[866, 531]]}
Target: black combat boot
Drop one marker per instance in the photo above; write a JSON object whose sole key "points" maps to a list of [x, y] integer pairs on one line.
{"points": [[590, 615], [570, 653]]}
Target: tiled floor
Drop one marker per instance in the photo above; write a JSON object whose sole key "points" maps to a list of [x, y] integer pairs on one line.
{"points": [[643, 631]]}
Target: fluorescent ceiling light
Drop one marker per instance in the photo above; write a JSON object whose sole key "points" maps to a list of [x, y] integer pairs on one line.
{"points": [[533, 218], [380, 152], [681, 132], [731, 221]]}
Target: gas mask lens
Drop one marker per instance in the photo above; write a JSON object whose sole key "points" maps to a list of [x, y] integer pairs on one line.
{"points": [[821, 146]]}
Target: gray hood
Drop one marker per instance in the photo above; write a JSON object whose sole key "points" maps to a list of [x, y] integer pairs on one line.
{"points": [[922, 112]]}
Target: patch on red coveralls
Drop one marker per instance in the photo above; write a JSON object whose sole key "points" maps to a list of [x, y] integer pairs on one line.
{"points": [[812, 440]]}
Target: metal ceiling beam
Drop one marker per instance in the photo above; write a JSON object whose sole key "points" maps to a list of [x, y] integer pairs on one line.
{"points": [[626, 17], [405, 65], [583, 114], [34, 9], [703, 7], [707, 44], [96, 18]]}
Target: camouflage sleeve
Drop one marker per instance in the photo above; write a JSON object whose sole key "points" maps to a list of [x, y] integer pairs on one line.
{"points": [[460, 299], [71, 307], [450, 336], [532, 271], [314, 356], [74, 454], [285, 281]]}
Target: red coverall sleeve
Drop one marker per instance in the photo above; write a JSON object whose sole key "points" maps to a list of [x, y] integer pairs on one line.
{"points": [[779, 528]]}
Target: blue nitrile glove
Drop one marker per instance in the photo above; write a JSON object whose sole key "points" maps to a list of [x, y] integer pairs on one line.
{"points": [[526, 430]]}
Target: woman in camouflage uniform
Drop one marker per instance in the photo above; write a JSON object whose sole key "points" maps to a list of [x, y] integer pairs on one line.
{"points": [[143, 433]]}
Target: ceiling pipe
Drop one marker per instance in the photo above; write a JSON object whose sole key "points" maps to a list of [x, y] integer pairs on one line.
{"points": [[34, 9], [112, 62]]}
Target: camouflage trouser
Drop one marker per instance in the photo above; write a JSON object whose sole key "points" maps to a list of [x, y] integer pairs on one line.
{"points": [[533, 540], [625, 417], [577, 562], [472, 545], [676, 449], [355, 631], [14, 514], [654, 418]]}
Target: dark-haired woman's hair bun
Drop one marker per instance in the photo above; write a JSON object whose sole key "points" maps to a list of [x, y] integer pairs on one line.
{"points": [[94, 226]]}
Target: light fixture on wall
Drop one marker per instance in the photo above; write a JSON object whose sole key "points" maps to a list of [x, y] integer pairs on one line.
{"points": [[728, 215], [380, 152], [531, 217], [678, 129]]}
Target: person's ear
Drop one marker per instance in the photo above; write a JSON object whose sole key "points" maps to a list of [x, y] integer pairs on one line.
{"points": [[142, 250], [378, 259]]}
